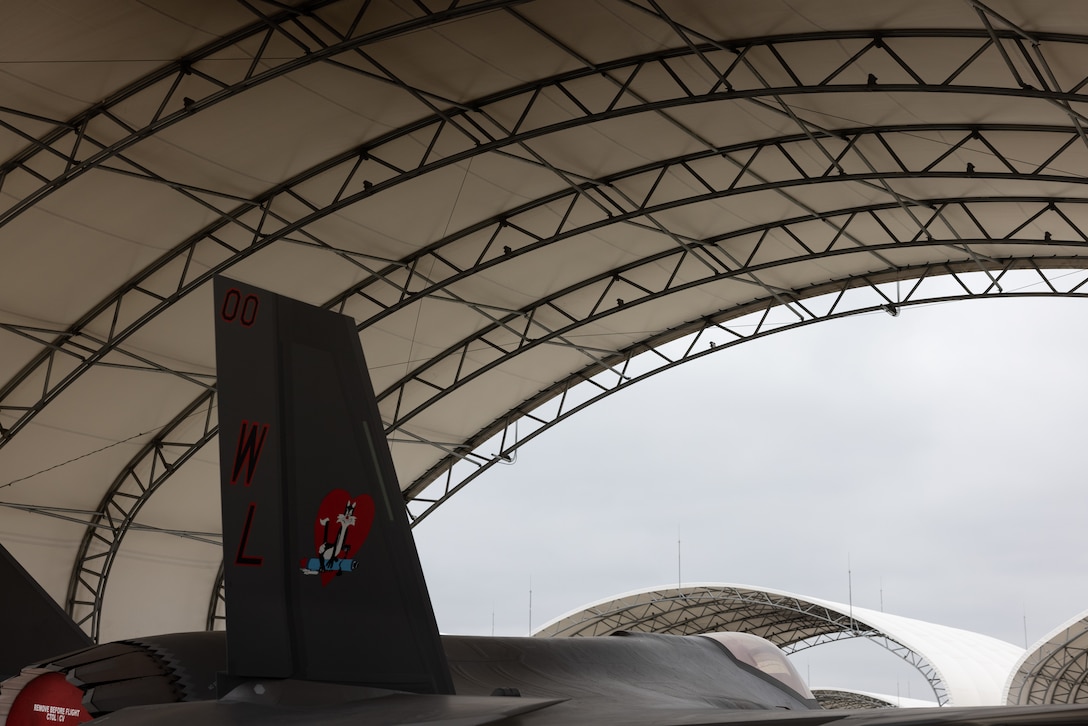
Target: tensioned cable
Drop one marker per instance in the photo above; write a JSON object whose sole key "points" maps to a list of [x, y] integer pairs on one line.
{"points": [[74, 459]]}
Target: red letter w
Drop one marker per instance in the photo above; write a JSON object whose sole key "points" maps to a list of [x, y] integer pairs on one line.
{"points": [[248, 451]]}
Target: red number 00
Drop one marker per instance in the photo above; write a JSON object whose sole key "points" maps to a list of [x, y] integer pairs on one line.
{"points": [[235, 307]]}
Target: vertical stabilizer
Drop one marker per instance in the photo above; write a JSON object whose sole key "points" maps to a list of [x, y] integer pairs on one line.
{"points": [[34, 626], [323, 581]]}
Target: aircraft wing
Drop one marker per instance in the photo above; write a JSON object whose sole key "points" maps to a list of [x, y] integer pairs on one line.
{"points": [[36, 627]]}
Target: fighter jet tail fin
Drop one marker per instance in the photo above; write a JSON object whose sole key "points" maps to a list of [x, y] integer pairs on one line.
{"points": [[323, 581], [35, 627]]}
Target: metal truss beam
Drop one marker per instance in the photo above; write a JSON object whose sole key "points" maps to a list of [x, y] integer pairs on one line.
{"points": [[155, 463], [712, 334], [73, 147], [465, 131], [513, 233], [790, 623], [161, 457], [516, 233], [1062, 678], [217, 612], [84, 349], [521, 331], [1035, 60], [1056, 673]]}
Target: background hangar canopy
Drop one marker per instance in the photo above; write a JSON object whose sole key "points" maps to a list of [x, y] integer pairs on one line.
{"points": [[515, 200]]}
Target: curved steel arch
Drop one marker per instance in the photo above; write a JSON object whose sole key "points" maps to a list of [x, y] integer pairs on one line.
{"points": [[791, 623], [152, 466], [1056, 670], [1068, 684], [91, 578], [362, 165], [493, 227], [466, 463], [1061, 679], [112, 306], [720, 271], [85, 570], [304, 16], [781, 620], [524, 342], [91, 572], [217, 613]]}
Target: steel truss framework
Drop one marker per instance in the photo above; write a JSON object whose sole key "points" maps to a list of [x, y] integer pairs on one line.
{"points": [[867, 294], [980, 243], [71, 148], [246, 228], [789, 622], [217, 613], [832, 699], [157, 460], [1056, 671]]}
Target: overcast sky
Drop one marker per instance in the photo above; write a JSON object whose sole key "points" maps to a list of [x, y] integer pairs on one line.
{"points": [[937, 455]]}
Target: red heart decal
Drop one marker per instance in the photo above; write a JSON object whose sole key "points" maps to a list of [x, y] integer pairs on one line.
{"points": [[340, 529]]}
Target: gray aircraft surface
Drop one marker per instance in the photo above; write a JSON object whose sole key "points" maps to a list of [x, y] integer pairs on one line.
{"points": [[328, 619]]}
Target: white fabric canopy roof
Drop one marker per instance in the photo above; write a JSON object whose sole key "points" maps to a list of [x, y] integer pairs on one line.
{"points": [[963, 667]]}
